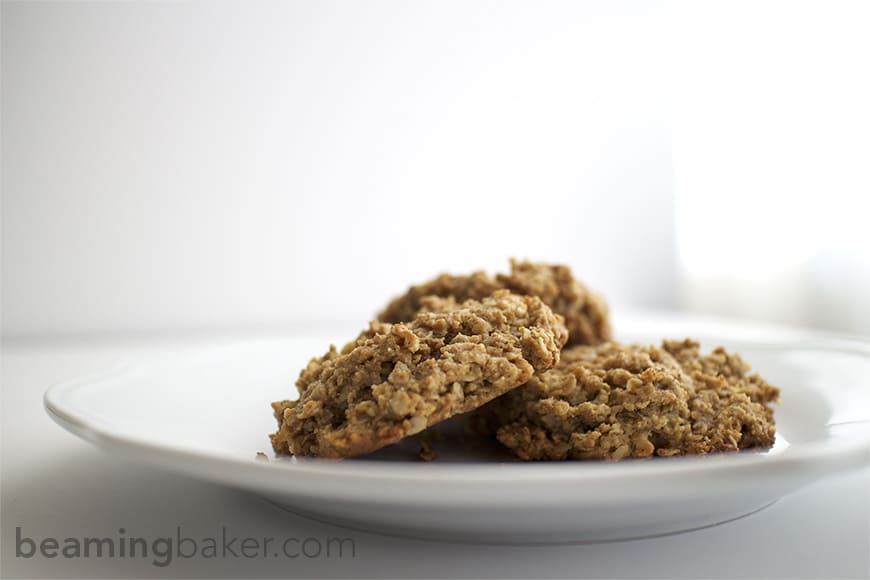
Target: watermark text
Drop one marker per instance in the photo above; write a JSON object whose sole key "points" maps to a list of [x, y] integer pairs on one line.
{"points": [[163, 550]]}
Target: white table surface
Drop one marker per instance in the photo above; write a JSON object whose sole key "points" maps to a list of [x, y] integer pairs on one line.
{"points": [[55, 485]]}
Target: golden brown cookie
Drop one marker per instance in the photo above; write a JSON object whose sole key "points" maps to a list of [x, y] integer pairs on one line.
{"points": [[731, 408], [397, 379], [585, 312], [614, 401], [475, 286]]}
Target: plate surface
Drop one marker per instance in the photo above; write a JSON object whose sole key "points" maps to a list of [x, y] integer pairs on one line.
{"points": [[207, 415]]}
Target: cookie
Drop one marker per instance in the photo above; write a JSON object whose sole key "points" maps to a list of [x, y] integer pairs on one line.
{"points": [[474, 286], [585, 312], [731, 407], [395, 380], [616, 401]]}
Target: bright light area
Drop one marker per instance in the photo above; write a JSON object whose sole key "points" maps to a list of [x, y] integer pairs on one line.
{"points": [[771, 141]]}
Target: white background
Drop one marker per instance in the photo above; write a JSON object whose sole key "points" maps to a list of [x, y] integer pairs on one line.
{"points": [[181, 166], [772, 160], [176, 166]]}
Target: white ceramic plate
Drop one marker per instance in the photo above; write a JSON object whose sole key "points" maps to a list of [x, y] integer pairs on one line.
{"points": [[207, 415]]}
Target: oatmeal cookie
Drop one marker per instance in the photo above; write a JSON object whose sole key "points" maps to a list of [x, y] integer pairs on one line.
{"points": [[398, 379], [475, 286], [585, 312], [731, 407], [614, 401]]}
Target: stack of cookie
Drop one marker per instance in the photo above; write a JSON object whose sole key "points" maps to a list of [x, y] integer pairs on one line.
{"points": [[531, 354]]}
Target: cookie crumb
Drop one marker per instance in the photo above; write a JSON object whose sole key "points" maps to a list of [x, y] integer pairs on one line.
{"points": [[427, 451]]}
